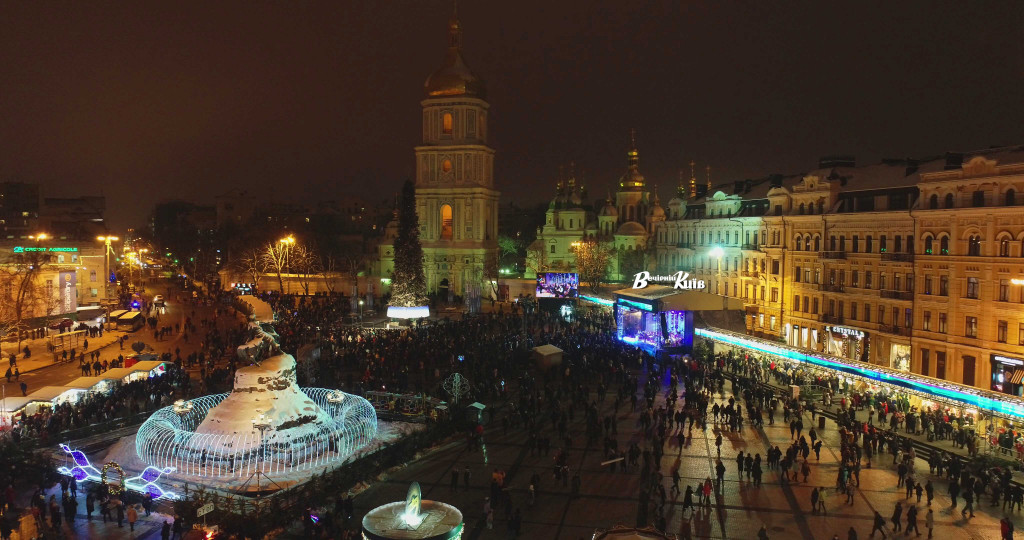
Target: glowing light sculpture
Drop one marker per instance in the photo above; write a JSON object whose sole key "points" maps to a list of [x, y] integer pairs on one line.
{"points": [[143, 483]]}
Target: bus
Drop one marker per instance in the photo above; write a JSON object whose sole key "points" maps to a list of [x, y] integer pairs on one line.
{"points": [[131, 321]]}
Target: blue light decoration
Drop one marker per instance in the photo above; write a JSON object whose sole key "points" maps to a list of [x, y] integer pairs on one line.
{"points": [[599, 301], [638, 305], [143, 483], [979, 399]]}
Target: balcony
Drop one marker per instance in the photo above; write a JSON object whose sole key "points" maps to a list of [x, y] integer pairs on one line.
{"points": [[750, 247], [684, 245], [832, 255], [833, 288], [898, 295], [893, 329], [750, 273], [898, 257], [832, 319]]}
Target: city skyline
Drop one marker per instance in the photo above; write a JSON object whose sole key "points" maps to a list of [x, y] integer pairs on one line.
{"points": [[150, 103]]}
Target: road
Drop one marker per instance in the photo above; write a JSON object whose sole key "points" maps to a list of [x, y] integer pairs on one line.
{"points": [[175, 312]]}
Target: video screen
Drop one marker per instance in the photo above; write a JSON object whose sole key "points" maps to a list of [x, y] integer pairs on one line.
{"points": [[557, 285]]}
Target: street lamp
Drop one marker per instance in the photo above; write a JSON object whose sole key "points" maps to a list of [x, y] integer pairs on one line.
{"points": [[106, 265], [360, 312], [288, 241], [262, 423], [38, 237]]}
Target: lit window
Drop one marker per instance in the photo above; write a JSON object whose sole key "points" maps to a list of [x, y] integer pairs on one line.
{"points": [[446, 165], [446, 222], [446, 123]]}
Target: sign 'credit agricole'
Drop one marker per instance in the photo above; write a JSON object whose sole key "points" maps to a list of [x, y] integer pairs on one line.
{"points": [[679, 280]]}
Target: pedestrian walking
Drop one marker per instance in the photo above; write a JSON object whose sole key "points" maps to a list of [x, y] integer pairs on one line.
{"points": [[912, 521], [929, 521], [879, 525], [897, 518]]}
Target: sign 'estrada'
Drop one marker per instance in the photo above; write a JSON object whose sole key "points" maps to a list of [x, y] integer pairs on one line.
{"points": [[679, 280]]}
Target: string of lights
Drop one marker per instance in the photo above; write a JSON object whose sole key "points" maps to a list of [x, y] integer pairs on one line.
{"points": [[168, 439]]}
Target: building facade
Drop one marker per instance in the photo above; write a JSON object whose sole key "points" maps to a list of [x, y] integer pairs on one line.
{"points": [[455, 196], [913, 264]]}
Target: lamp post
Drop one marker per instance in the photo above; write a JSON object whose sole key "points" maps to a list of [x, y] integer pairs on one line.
{"points": [[360, 312], [287, 242], [106, 269], [262, 423]]}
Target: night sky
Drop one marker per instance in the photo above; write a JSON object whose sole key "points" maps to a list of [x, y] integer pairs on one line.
{"points": [[144, 101]]}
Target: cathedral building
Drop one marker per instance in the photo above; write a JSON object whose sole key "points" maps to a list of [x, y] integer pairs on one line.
{"points": [[623, 224], [456, 201]]}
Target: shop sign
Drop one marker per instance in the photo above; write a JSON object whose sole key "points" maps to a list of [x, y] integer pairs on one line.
{"points": [[852, 332], [679, 280], [26, 249], [1007, 361]]}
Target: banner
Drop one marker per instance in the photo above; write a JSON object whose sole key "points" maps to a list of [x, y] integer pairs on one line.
{"points": [[68, 292]]}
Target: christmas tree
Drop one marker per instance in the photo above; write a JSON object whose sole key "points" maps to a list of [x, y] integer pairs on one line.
{"points": [[408, 283]]}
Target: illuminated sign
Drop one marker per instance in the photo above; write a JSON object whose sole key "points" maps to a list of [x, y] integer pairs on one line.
{"points": [[1008, 361], [26, 249], [852, 332], [679, 280], [637, 305]]}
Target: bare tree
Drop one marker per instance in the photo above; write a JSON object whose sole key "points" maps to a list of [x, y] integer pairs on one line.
{"points": [[328, 268], [23, 295], [305, 264], [275, 259], [537, 259], [592, 261]]}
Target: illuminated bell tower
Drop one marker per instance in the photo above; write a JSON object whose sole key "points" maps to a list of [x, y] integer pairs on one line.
{"points": [[455, 196]]}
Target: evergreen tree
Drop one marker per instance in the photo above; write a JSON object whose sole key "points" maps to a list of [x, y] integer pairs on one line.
{"points": [[408, 283]]}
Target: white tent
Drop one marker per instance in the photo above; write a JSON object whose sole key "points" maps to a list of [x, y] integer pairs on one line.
{"points": [[547, 356]]}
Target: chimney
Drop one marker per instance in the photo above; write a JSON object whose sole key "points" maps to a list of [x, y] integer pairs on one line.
{"points": [[954, 160]]}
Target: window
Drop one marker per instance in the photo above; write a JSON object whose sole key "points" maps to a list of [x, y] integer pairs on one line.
{"points": [[856, 243], [940, 364], [925, 357], [943, 285], [867, 280], [1001, 332], [796, 275], [446, 223], [1011, 198], [972, 287], [853, 311], [775, 267], [1004, 248], [1004, 290], [974, 246], [933, 202], [927, 284], [978, 199], [817, 275], [855, 278], [842, 243], [971, 326], [908, 318], [949, 200], [762, 294], [60, 258], [799, 243], [446, 166], [881, 281], [552, 248], [928, 245], [814, 306], [944, 246], [926, 323], [760, 320], [471, 123], [807, 304], [881, 314], [1020, 333], [92, 276], [832, 243], [775, 294], [882, 244], [796, 303], [943, 323], [446, 123], [803, 209], [867, 248], [831, 307], [969, 370], [773, 316], [807, 275], [898, 244], [74, 257]]}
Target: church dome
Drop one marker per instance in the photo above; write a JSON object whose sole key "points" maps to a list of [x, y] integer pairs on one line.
{"points": [[631, 228], [454, 78], [656, 211], [609, 209]]}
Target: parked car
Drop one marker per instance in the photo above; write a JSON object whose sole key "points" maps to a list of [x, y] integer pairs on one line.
{"points": [[158, 300], [63, 324]]}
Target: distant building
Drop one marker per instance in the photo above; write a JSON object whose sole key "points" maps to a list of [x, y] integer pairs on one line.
{"points": [[19, 209], [79, 218]]}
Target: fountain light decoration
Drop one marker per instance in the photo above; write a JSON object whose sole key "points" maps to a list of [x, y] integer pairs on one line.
{"points": [[143, 483], [168, 439], [412, 517], [457, 386]]}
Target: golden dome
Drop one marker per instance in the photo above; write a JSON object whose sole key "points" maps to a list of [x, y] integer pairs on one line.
{"points": [[454, 78]]}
